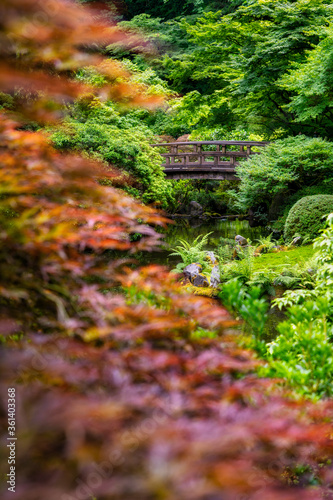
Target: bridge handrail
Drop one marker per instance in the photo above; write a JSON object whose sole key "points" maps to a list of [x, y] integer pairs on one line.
{"points": [[221, 143], [192, 159]]}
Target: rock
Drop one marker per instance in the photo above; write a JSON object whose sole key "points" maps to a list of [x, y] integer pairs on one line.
{"points": [[260, 249], [211, 257], [215, 277], [192, 270], [195, 209], [297, 241], [200, 280], [183, 138], [240, 240]]}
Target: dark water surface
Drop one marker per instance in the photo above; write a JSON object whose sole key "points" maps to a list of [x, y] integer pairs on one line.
{"points": [[189, 229]]}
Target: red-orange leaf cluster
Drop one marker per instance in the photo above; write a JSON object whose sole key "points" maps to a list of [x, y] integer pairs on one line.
{"points": [[44, 42], [118, 396]]}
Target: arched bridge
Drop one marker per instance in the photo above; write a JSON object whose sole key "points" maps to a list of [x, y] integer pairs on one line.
{"points": [[214, 160]]}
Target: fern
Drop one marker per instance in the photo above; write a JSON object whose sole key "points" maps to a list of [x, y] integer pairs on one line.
{"points": [[179, 268], [240, 269], [191, 252], [267, 242]]}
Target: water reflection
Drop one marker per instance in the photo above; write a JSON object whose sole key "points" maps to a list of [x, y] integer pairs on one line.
{"points": [[189, 229]]}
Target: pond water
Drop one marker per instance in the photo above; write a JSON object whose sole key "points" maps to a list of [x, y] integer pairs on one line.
{"points": [[189, 229]]}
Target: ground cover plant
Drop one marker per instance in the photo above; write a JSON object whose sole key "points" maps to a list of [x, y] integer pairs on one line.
{"points": [[291, 256], [302, 353], [191, 252], [284, 167], [288, 268], [119, 395]]}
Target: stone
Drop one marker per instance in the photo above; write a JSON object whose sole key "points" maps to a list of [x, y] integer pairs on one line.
{"points": [[297, 241], [195, 209], [215, 277], [200, 281], [211, 257], [240, 240], [183, 138], [192, 270], [261, 249]]}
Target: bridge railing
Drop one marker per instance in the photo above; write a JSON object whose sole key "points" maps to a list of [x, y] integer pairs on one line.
{"points": [[204, 155]]}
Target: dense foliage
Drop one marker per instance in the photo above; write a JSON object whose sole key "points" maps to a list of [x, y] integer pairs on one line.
{"points": [[302, 354], [119, 140], [311, 86], [251, 70], [170, 8], [246, 70], [285, 167], [120, 395]]}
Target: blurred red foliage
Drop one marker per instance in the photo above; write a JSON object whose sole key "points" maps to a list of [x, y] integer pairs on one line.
{"points": [[117, 396], [43, 42]]}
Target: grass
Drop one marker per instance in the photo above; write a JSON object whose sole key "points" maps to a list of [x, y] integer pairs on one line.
{"points": [[289, 267], [276, 261]]}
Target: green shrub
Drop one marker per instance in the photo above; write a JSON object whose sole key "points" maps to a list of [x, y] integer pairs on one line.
{"points": [[286, 165], [121, 140], [302, 354], [247, 303], [192, 252], [322, 188], [305, 218]]}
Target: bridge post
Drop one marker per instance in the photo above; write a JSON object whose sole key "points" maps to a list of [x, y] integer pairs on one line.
{"points": [[199, 151], [217, 158], [174, 150]]}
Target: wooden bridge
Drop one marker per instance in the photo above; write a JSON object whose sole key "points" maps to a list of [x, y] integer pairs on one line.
{"points": [[214, 160]]}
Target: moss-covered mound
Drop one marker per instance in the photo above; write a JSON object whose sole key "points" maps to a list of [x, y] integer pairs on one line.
{"points": [[305, 217]]}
